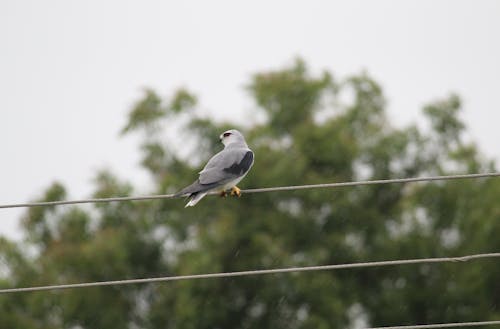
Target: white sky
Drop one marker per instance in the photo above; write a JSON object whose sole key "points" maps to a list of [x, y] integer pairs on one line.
{"points": [[70, 70]]}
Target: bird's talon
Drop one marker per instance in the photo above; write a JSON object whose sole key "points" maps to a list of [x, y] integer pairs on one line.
{"points": [[223, 194], [235, 191]]}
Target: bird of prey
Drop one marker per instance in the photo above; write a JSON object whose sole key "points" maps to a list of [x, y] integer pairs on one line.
{"points": [[223, 171]]}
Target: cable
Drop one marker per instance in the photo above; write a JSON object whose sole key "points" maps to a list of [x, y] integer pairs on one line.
{"points": [[442, 325], [257, 190], [370, 182], [254, 272]]}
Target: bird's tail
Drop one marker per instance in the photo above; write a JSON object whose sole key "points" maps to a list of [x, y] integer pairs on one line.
{"points": [[195, 198]]}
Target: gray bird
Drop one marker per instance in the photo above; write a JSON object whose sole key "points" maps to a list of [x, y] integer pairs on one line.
{"points": [[223, 171]]}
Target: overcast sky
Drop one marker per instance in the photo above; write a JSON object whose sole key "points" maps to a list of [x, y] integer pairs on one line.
{"points": [[70, 70]]}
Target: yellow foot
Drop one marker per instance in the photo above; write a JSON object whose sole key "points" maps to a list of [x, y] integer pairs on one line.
{"points": [[235, 191], [223, 194]]}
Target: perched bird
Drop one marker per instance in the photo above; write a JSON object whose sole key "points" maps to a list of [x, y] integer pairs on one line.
{"points": [[223, 171]]}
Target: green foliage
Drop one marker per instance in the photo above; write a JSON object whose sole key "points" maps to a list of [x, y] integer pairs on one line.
{"points": [[312, 135], [146, 112], [290, 96], [443, 117], [182, 100]]}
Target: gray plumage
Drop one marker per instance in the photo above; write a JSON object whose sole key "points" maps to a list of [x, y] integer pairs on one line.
{"points": [[224, 170]]}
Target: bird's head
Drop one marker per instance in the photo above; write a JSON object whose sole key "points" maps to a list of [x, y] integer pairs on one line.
{"points": [[231, 136]]}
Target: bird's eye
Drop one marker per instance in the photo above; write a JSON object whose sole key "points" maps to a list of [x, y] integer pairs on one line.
{"points": [[226, 134]]}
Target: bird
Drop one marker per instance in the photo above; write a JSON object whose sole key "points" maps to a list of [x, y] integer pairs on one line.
{"points": [[223, 171]]}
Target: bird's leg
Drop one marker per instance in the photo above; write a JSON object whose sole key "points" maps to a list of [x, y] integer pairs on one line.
{"points": [[223, 194], [235, 191]]}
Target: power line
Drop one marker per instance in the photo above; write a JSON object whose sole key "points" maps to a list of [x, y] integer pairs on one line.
{"points": [[256, 190], [254, 272], [371, 182], [442, 325]]}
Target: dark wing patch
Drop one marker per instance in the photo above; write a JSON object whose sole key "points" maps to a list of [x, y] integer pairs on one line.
{"points": [[239, 169]]}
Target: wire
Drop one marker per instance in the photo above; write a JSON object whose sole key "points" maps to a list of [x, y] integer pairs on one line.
{"points": [[371, 182], [256, 190], [442, 325], [254, 272]]}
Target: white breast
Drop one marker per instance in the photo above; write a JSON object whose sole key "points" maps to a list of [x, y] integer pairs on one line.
{"points": [[232, 183]]}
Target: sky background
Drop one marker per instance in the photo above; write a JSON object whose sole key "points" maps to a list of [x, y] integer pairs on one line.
{"points": [[71, 70]]}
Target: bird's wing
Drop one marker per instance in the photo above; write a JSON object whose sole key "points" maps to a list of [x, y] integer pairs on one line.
{"points": [[226, 165], [196, 187]]}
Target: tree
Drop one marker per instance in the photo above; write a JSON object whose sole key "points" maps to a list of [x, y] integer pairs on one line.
{"points": [[318, 129]]}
